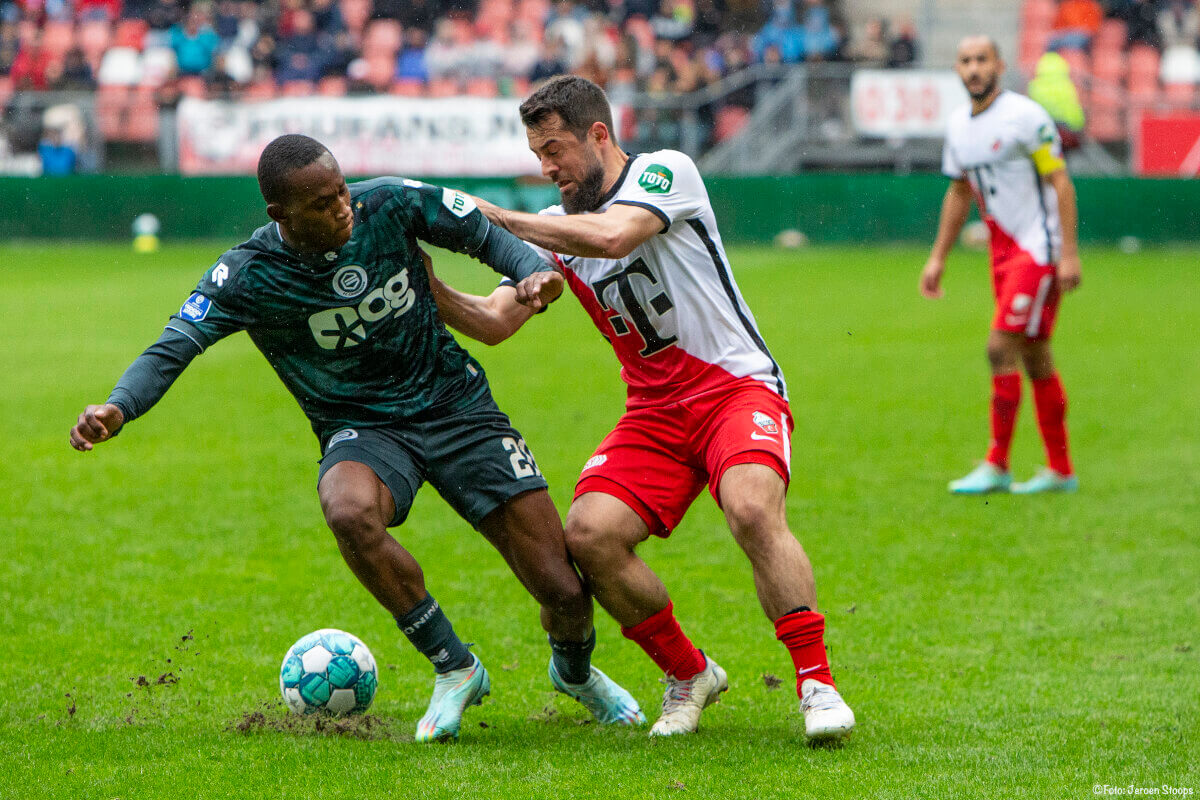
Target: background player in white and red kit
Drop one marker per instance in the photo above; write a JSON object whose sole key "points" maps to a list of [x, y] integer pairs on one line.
{"points": [[1004, 149], [637, 240]]}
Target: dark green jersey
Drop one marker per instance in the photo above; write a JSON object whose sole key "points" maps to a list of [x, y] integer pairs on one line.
{"points": [[354, 334]]}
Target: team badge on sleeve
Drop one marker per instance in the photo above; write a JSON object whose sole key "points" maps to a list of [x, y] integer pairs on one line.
{"points": [[459, 204], [195, 308], [766, 423], [656, 179]]}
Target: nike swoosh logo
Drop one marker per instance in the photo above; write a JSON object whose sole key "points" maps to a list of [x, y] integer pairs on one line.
{"points": [[765, 438], [800, 672]]}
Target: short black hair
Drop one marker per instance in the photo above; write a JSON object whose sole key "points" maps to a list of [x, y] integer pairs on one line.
{"points": [[577, 101], [279, 159]]}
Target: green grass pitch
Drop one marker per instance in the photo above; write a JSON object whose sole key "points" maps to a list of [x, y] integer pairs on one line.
{"points": [[1000, 647]]}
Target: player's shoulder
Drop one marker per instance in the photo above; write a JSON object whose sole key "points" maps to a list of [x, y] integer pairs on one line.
{"points": [[238, 266], [958, 118], [1023, 108], [659, 168], [377, 192]]}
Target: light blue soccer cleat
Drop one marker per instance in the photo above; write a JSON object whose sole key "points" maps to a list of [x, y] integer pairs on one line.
{"points": [[602, 696], [984, 479], [453, 692], [1047, 480]]}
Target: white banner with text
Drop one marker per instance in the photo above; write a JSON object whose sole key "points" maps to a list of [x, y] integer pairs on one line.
{"points": [[904, 103]]}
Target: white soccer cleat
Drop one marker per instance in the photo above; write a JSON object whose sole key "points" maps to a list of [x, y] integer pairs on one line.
{"points": [[601, 695], [826, 715], [684, 700], [984, 479], [453, 693]]}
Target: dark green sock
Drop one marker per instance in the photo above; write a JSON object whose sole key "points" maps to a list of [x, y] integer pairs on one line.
{"points": [[573, 660], [427, 627]]}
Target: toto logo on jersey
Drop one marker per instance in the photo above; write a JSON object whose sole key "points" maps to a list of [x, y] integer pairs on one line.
{"points": [[350, 281]]}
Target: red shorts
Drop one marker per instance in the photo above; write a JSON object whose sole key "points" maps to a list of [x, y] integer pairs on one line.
{"points": [[658, 459], [1026, 297]]}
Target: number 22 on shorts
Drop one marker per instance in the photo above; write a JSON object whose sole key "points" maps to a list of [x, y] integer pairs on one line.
{"points": [[523, 465]]}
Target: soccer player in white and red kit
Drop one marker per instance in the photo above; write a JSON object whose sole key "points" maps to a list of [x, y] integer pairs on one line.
{"points": [[637, 240], [1004, 150]]}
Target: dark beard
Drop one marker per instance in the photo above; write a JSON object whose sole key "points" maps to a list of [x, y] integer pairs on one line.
{"points": [[588, 192], [986, 92]]}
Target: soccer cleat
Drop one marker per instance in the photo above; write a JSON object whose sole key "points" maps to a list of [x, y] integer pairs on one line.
{"points": [[602, 696], [684, 700], [1047, 480], [826, 715], [453, 692], [984, 479]]}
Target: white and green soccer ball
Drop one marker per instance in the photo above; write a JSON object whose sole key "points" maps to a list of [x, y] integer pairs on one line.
{"points": [[328, 670]]}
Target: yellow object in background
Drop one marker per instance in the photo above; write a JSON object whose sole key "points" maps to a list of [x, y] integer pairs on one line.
{"points": [[1051, 88]]}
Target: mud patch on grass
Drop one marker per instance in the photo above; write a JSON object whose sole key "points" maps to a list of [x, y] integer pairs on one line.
{"points": [[272, 718]]}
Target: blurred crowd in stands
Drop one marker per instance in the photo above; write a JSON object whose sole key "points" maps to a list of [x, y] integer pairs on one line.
{"points": [[436, 47]]}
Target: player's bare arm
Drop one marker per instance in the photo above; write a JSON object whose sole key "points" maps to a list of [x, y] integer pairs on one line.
{"points": [[956, 205], [1069, 273], [613, 233], [96, 424]]}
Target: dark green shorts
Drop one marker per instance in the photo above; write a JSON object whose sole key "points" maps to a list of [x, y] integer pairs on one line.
{"points": [[475, 459]]}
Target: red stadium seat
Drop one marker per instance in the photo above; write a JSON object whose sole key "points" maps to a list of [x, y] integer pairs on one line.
{"points": [[408, 87], [1105, 97], [443, 87], [1078, 60], [193, 86], [131, 33], [111, 105], [298, 89], [1180, 95], [6, 89], [1143, 93], [1112, 33], [94, 38], [729, 122], [332, 86], [482, 87], [1038, 12], [141, 121], [57, 38], [381, 70], [260, 90], [1108, 63], [1106, 126], [1143, 61]]}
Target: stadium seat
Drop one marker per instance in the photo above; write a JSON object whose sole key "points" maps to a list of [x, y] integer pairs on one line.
{"points": [[298, 89], [140, 123], [131, 33], [443, 87], [482, 87], [193, 86], [1112, 33], [1038, 12], [6, 89], [332, 86], [1105, 97], [57, 38], [94, 38], [260, 90], [111, 104], [1108, 62], [381, 70], [1078, 61], [1143, 93], [729, 121], [1180, 95], [1106, 126], [1143, 61], [408, 88]]}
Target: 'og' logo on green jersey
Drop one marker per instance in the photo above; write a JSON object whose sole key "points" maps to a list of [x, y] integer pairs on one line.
{"points": [[656, 179], [336, 328]]}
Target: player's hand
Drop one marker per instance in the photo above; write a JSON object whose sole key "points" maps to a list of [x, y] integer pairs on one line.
{"points": [[96, 424], [492, 211], [931, 279], [1068, 273], [539, 290]]}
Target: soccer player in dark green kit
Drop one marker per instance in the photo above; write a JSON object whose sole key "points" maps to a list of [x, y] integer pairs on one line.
{"points": [[335, 294]]}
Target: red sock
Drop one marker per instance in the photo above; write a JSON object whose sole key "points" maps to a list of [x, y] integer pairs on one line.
{"points": [[1051, 402], [663, 640], [1006, 397], [803, 634]]}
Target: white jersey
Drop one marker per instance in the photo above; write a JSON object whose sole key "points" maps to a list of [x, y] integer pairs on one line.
{"points": [[671, 308], [1004, 152]]}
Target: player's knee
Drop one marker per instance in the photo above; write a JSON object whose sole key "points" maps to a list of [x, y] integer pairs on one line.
{"points": [[589, 543], [753, 521], [354, 520]]}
